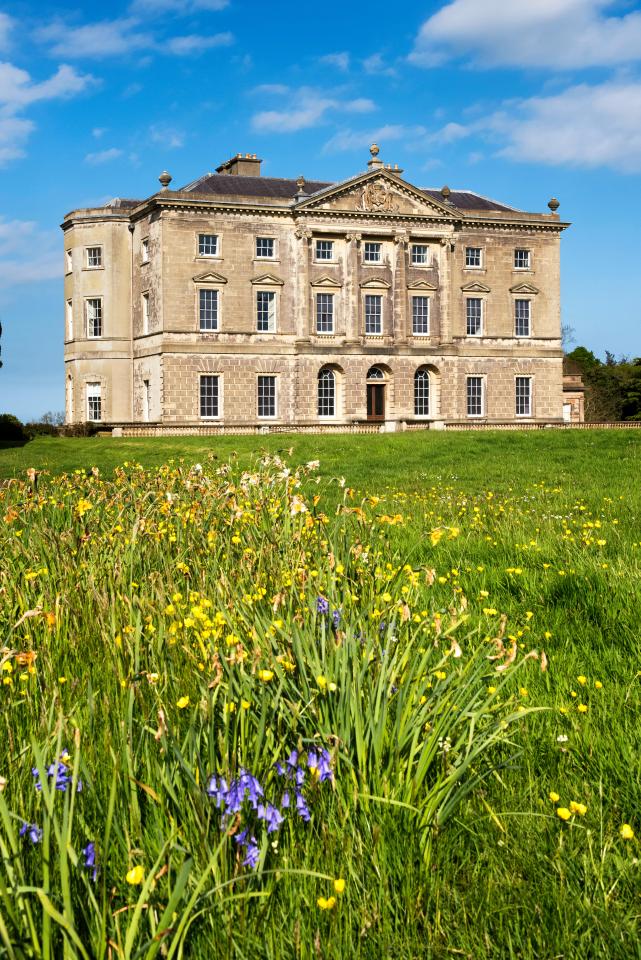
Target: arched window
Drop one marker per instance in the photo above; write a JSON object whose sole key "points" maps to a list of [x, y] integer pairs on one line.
{"points": [[326, 393], [421, 393], [375, 373]]}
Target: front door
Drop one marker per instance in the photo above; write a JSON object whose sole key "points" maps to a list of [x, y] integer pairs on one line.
{"points": [[375, 401]]}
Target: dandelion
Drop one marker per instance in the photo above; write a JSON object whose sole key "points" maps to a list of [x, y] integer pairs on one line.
{"points": [[265, 675], [579, 808], [582, 708], [598, 685], [182, 703], [326, 904], [582, 680], [339, 885], [554, 797], [135, 876], [626, 832], [563, 813]]}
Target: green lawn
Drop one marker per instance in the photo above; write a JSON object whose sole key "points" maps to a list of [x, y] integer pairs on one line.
{"points": [[163, 624]]}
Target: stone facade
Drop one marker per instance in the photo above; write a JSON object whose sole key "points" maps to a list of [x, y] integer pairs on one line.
{"points": [[382, 302]]}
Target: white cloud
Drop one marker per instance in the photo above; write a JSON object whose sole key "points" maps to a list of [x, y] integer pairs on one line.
{"points": [[18, 240], [94, 41], [561, 34], [167, 136], [338, 60], [376, 65], [306, 108], [18, 91], [103, 156], [98, 132], [6, 25], [195, 43], [156, 7], [350, 140], [271, 88]]}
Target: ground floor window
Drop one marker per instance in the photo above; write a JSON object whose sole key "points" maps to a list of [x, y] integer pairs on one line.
{"points": [[209, 396], [523, 396], [267, 396], [421, 393], [475, 397], [326, 393], [94, 402]]}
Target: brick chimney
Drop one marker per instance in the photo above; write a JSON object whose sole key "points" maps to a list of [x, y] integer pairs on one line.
{"points": [[242, 165]]}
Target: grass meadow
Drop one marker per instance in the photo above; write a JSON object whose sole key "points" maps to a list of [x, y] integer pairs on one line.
{"points": [[321, 697]]}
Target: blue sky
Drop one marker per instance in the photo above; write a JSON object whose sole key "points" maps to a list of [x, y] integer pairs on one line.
{"points": [[519, 102]]}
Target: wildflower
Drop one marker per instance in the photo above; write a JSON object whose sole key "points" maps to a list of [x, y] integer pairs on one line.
{"points": [[563, 813], [89, 853], [598, 684], [579, 808], [336, 619], [326, 904], [339, 885], [582, 708], [562, 738], [182, 703], [251, 854], [271, 816], [32, 831], [302, 808], [322, 606], [554, 797], [265, 675], [57, 772], [322, 682], [626, 832], [135, 876], [582, 680]]}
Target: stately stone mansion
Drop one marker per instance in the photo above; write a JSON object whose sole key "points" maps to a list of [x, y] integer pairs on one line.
{"points": [[246, 302]]}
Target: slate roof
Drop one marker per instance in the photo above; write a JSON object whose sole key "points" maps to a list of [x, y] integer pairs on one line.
{"points": [[225, 184], [466, 200]]}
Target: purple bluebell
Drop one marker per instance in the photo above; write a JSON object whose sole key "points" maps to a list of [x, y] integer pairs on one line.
{"points": [[251, 854], [89, 853], [292, 759], [325, 766], [32, 831], [312, 760], [284, 800], [300, 776], [336, 618], [301, 808], [271, 816], [241, 837], [249, 783], [322, 606], [59, 773]]}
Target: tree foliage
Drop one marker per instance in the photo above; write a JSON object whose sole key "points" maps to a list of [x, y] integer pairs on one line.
{"points": [[612, 389]]}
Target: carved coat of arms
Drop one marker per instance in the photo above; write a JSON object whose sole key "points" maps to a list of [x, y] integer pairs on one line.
{"points": [[377, 197]]}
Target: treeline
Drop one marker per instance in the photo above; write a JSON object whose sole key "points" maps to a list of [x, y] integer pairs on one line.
{"points": [[612, 388]]}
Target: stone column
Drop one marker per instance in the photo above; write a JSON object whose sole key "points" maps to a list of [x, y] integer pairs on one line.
{"points": [[352, 305], [304, 320], [399, 293], [448, 246]]}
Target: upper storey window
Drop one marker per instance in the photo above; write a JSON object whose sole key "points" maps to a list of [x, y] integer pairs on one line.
{"points": [[94, 257], [94, 317], [473, 257], [324, 249], [144, 250], [208, 244], [522, 260], [373, 252], [68, 261], [265, 248], [420, 254]]}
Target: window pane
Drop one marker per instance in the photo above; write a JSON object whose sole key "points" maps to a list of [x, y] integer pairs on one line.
{"points": [[373, 313], [94, 318], [324, 249], [373, 252], [474, 314], [326, 393], [207, 244], [522, 259], [475, 396], [94, 256], [523, 396], [208, 309], [266, 396], [209, 396], [266, 311], [94, 401], [522, 318], [420, 316], [324, 313], [472, 256], [420, 253], [421, 393], [144, 250], [265, 247]]}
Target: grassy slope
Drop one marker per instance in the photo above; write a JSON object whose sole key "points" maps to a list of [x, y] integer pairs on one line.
{"points": [[506, 881]]}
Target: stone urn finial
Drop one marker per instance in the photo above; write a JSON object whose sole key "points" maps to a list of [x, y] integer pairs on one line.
{"points": [[554, 204], [165, 179]]}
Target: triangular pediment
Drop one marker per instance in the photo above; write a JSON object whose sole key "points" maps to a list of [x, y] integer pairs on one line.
{"points": [[210, 277], [523, 288], [268, 280], [375, 283], [422, 285], [475, 287], [328, 282], [376, 193]]}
